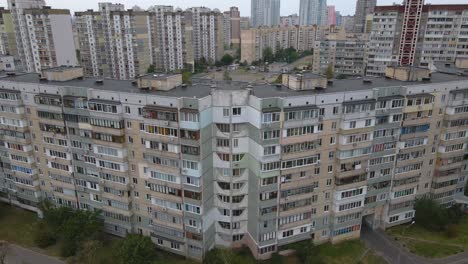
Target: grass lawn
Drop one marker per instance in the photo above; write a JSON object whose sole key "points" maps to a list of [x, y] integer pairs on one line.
{"points": [[431, 244], [17, 226], [351, 251]]}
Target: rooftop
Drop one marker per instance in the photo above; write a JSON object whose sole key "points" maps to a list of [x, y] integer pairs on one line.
{"points": [[202, 87]]}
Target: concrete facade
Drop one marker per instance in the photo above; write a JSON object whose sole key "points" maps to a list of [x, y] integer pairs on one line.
{"points": [[265, 12], [440, 36], [232, 164]]}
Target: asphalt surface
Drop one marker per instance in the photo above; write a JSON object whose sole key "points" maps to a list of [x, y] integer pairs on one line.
{"points": [[20, 255]]}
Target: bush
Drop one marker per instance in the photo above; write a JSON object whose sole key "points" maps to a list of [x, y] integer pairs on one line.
{"points": [[452, 231], [43, 237], [136, 249]]}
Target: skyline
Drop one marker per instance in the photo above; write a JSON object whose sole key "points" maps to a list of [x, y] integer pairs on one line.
{"points": [[343, 6]]}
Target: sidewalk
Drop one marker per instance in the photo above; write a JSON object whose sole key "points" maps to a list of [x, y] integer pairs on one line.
{"points": [[21, 255]]}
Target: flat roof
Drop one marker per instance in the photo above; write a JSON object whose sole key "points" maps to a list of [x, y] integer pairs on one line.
{"points": [[202, 87]]}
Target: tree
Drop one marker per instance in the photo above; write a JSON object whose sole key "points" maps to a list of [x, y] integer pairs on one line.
{"points": [[308, 253], [151, 69], [4, 249], [268, 55], [187, 77], [72, 227], [226, 76], [227, 59], [276, 259], [136, 249], [89, 253], [279, 79], [213, 256], [329, 72], [430, 215]]}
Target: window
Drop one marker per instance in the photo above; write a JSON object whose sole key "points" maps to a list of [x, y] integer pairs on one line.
{"points": [[368, 122], [236, 111], [270, 150], [225, 112], [270, 117], [175, 246], [352, 124]]}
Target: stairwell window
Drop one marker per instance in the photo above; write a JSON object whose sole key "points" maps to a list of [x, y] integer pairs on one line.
{"points": [[236, 111]]}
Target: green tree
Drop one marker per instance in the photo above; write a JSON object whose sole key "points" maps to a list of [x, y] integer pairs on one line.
{"points": [[329, 72], [268, 55], [187, 77], [227, 76], [430, 215], [151, 69], [89, 253], [308, 253], [276, 258], [214, 256], [71, 227], [136, 249], [227, 59]]}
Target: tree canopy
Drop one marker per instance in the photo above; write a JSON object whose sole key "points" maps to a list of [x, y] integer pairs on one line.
{"points": [[136, 249], [227, 59]]}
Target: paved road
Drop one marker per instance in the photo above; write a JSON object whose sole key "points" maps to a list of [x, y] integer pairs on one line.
{"points": [[394, 253], [20, 255]]}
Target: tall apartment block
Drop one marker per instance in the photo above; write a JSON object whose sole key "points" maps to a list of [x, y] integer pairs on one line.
{"points": [[345, 54], [43, 35], [417, 34], [208, 37], [7, 34], [232, 26], [232, 164], [331, 18], [265, 12], [291, 20], [301, 38], [363, 9], [313, 12]]}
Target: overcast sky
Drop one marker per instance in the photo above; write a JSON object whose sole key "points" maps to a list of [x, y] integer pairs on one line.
{"points": [[346, 7]]}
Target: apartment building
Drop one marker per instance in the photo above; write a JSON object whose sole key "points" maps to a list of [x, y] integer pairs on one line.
{"points": [[265, 12], [313, 12], [440, 35], [91, 43], [208, 35], [232, 27], [232, 164], [43, 35], [301, 38], [291, 20], [363, 9], [7, 34], [345, 54]]}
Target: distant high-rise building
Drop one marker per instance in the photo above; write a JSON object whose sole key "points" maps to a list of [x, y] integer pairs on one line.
{"points": [[265, 12], [227, 28], [347, 22], [231, 26], [291, 20], [331, 15], [313, 12], [363, 8], [338, 18], [44, 36], [245, 23], [235, 25]]}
